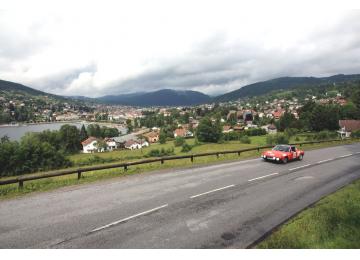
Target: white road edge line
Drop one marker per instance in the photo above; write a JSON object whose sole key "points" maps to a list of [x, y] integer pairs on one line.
{"points": [[223, 188], [346, 155], [128, 218], [325, 160], [303, 166], [258, 178]]}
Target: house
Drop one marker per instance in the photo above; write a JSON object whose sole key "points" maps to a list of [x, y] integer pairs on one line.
{"points": [[347, 127], [182, 133], [143, 143], [111, 144], [227, 129], [270, 129], [277, 114], [90, 145], [238, 128], [132, 145], [152, 137]]}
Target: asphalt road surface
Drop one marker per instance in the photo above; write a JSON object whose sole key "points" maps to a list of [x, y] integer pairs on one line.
{"points": [[228, 205]]}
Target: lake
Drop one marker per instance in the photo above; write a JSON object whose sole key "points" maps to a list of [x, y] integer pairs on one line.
{"points": [[16, 132]]}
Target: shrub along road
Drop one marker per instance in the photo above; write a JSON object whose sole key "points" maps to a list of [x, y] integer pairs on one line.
{"points": [[225, 205]]}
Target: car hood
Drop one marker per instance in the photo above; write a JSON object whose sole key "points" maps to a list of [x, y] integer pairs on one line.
{"points": [[274, 153]]}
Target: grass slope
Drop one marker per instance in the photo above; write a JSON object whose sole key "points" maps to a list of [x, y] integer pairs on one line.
{"points": [[7, 191], [334, 222]]}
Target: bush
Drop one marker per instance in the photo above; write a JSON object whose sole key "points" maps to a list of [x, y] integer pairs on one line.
{"points": [[179, 141], [270, 140], [161, 152], [255, 132], [186, 148], [277, 139], [289, 132], [281, 139], [325, 135], [245, 140], [355, 134]]}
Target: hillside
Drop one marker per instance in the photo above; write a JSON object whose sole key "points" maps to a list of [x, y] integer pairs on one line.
{"points": [[164, 97], [284, 83], [11, 86]]}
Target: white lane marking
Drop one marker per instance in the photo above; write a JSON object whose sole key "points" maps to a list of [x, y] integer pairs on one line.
{"points": [[223, 188], [346, 155], [128, 218], [325, 160], [258, 178], [303, 166], [357, 152]]}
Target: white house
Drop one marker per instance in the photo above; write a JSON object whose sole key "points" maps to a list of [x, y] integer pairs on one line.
{"points": [[132, 145], [347, 127], [90, 145], [111, 144]]}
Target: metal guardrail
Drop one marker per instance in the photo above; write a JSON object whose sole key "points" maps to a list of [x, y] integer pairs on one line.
{"points": [[125, 165]]}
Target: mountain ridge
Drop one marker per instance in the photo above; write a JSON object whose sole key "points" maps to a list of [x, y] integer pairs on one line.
{"points": [[264, 87], [171, 97]]}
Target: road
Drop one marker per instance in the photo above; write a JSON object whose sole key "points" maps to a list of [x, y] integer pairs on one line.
{"points": [[227, 205]]}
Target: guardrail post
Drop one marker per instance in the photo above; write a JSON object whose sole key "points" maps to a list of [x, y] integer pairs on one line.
{"points": [[258, 149], [125, 167], [217, 155], [192, 158], [21, 184], [162, 161], [239, 153], [79, 175]]}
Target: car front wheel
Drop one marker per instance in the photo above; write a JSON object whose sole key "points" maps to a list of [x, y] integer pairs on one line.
{"points": [[285, 160], [301, 157]]}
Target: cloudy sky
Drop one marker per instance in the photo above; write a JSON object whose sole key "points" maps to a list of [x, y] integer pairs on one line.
{"points": [[96, 48]]}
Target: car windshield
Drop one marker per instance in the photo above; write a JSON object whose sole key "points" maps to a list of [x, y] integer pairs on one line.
{"points": [[282, 148]]}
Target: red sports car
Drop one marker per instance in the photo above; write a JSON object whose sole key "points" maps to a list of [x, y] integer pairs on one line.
{"points": [[283, 153]]}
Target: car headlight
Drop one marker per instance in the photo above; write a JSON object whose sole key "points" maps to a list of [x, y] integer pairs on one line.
{"points": [[277, 159]]}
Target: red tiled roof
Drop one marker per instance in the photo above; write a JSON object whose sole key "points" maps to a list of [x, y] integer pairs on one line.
{"points": [[130, 142], [151, 134], [89, 140], [350, 125], [226, 127], [180, 132]]}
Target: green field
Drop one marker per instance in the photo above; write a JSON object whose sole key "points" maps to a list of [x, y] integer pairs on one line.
{"points": [[129, 155], [333, 222], [7, 191]]}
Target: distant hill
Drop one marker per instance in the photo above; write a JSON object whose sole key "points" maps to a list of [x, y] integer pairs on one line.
{"points": [[264, 87], [164, 97], [11, 86]]}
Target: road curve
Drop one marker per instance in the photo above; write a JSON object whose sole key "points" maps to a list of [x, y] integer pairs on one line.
{"points": [[228, 205]]}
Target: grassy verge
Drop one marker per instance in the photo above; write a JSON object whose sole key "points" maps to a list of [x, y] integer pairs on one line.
{"points": [[333, 222], [8, 191]]}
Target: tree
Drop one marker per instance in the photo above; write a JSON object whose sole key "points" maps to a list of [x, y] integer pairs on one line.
{"points": [[70, 137], [355, 97], [129, 125], [162, 137], [287, 120], [179, 141], [83, 133], [94, 130], [209, 131]]}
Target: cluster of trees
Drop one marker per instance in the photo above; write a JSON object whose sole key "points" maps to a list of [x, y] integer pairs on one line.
{"points": [[317, 117], [38, 151], [46, 150], [97, 131]]}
